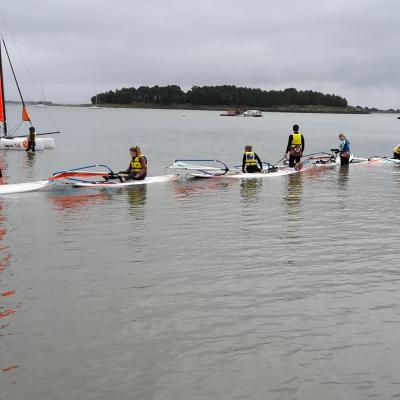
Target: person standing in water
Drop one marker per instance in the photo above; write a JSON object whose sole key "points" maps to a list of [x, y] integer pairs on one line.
{"points": [[295, 147], [137, 169], [396, 152], [31, 139], [251, 161], [344, 149]]}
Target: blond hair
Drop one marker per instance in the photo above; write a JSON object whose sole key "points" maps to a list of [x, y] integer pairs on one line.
{"points": [[342, 136], [137, 149]]}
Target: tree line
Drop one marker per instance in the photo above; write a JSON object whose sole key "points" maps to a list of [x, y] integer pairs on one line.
{"points": [[225, 95]]}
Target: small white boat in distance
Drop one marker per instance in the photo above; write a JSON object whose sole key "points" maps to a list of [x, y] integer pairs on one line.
{"points": [[252, 113]]}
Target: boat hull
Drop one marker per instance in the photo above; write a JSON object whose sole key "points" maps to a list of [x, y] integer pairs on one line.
{"points": [[22, 143]]}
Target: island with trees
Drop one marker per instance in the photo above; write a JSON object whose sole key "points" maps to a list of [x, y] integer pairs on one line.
{"points": [[224, 97]]}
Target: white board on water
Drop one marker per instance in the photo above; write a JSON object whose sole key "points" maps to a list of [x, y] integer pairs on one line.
{"points": [[23, 187], [116, 184], [280, 172]]}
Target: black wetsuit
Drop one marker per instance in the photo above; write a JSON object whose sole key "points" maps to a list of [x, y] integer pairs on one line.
{"points": [[31, 142]]}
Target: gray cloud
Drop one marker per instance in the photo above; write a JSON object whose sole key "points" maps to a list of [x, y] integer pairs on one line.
{"points": [[71, 48]]}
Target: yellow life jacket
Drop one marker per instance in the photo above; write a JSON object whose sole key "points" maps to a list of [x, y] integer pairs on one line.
{"points": [[250, 158], [136, 165], [296, 141], [397, 149]]}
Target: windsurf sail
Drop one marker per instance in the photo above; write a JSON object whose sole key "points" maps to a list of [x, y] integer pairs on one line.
{"points": [[320, 156], [85, 172], [207, 167]]}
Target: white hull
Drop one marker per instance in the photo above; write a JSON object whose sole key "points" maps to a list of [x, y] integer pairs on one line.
{"points": [[282, 171], [252, 113], [379, 160], [22, 143], [23, 187], [241, 175], [48, 142], [117, 184]]}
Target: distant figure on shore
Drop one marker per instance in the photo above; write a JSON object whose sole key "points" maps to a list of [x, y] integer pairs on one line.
{"points": [[396, 152], [31, 139], [137, 169], [295, 147], [251, 161], [1, 178], [344, 149]]}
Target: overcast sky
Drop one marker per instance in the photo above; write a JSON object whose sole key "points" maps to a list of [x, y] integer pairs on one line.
{"points": [[71, 48]]}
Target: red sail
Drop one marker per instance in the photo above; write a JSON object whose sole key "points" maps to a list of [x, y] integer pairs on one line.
{"points": [[25, 114], [1, 102]]}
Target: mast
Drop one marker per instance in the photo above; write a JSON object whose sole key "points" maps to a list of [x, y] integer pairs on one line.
{"points": [[2, 100], [25, 115]]}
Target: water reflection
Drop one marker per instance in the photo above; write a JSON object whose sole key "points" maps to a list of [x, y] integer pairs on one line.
{"points": [[250, 190], [28, 164], [137, 197], [192, 187], [294, 190], [74, 200], [396, 174], [6, 307], [3, 167], [343, 177]]}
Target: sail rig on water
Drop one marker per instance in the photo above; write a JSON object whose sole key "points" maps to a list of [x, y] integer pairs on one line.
{"points": [[11, 142]]}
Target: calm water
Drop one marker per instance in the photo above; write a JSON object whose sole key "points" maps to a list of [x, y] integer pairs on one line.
{"points": [[282, 288]]}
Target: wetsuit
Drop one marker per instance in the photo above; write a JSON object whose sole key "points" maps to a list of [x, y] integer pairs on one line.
{"points": [[31, 141], [295, 148], [250, 162], [344, 148]]}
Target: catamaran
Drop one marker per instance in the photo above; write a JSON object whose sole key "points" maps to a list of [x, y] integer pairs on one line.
{"points": [[9, 141]]}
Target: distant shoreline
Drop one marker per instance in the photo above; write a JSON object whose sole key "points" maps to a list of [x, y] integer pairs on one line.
{"points": [[222, 109], [309, 109]]}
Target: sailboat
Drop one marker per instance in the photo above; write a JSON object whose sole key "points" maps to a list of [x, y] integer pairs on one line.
{"points": [[12, 142], [43, 102]]}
